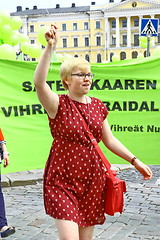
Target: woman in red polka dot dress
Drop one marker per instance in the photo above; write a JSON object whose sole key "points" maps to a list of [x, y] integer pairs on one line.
{"points": [[74, 177]]}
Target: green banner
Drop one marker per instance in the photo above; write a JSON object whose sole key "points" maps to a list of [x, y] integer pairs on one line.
{"points": [[130, 89]]}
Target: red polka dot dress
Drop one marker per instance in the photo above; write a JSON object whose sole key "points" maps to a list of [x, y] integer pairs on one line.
{"points": [[74, 176]]}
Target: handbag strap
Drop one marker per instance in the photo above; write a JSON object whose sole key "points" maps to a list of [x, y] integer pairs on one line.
{"points": [[94, 142]]}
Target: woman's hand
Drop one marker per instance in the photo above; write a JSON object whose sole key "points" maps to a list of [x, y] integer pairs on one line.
{"points": [[51, 36], [143, 169]]}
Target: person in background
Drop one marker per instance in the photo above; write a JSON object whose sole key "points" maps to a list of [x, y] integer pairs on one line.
{"points": [[5, 231], [74, 176]]}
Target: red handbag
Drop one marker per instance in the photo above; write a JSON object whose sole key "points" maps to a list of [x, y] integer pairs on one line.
{"points": [[115, 187], [114, 195]]}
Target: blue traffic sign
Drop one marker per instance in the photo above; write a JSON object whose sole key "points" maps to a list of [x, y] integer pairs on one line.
{"points": [[149, 27]]}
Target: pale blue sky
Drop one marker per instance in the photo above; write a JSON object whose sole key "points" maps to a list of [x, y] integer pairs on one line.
{"points": [[10, 5]]}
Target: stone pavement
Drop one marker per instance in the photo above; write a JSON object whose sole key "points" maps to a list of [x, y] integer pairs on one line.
{"points": [[140, 220]]}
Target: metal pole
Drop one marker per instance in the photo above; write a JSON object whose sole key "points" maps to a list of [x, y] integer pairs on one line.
{"points": [[148, 45]]}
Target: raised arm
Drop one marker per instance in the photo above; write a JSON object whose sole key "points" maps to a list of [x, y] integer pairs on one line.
{"points": [[114, 145], [46, 96]]}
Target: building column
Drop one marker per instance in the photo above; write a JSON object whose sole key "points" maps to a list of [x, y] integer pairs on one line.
{"points": [[107, 34], [128, 31], [140, 21], [25, 25], [117, 33]]}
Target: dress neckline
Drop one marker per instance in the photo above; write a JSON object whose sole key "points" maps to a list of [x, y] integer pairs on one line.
{"points": [[80, 102]]}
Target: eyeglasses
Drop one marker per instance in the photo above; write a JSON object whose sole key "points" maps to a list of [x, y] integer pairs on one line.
{"points": [[83, 75]]}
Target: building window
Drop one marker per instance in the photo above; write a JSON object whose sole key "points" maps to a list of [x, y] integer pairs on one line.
{"points": [[134, 54], [124, 39], [98, 25], [86, 26], [113, 23], [111, 55], [31, 28], [75, 42], [64, 28], [74, 26], [136, 40], [113, 40], [136, 22], [86, 41], [122, 55], [98, 41], [64, 42], [99, 58], [87, 57], [32, 41], [124, 23]]}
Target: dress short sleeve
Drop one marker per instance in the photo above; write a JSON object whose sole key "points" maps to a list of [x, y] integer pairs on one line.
{"points": [[103, 108]]}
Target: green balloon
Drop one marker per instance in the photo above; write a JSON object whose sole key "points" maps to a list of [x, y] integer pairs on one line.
{"points": [[13, 38], [5, 31], [5, 17], [143, 39], [23, 38], [7, 52], [34, 51], [1, 41], [143, 44], [40, 35], [25, 47], [15, 23]]}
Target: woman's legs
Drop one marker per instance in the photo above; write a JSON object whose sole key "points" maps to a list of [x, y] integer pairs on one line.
{"points": [[69, 230], [5, 231], [3, 220], [86, 233]]}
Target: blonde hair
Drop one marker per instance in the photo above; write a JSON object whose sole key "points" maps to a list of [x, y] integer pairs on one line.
{"points": [[68, 66]]}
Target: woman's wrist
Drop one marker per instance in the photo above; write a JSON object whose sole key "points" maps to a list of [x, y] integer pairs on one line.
{"points": [[133, 160], [51, 47]]}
